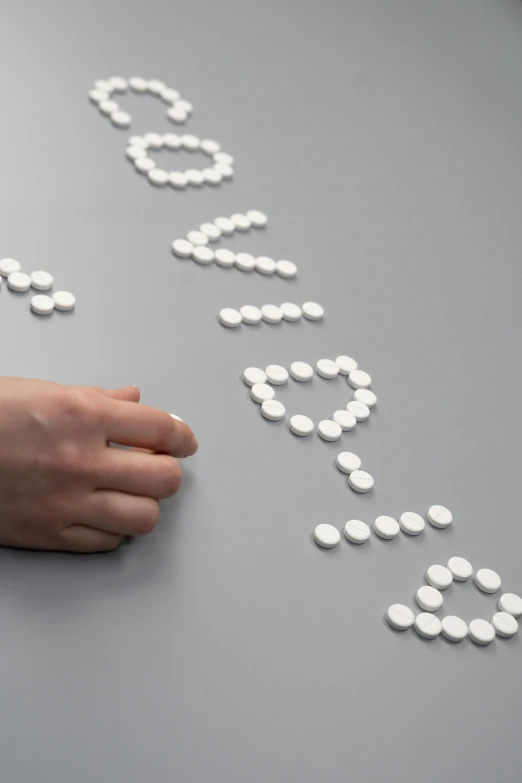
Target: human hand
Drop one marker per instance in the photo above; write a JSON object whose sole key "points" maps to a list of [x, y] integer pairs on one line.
{"points": [[62, 487]]}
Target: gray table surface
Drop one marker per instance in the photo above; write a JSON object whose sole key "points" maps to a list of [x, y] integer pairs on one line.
{"points": [[384, 140]]}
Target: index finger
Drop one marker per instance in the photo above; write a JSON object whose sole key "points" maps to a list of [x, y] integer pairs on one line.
{"points": [[149, 428]]}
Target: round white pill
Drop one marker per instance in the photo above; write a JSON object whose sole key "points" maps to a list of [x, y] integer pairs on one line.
{"points": [[326, 536], [271, 313], [510, 603], [225, 258], [194, 177], [428, 625], [359, 410], [210, 147], [108, 107], [359, 379], [357, 532], [42, 281], [348, 462], [225, 172], [177, 114], [487, 580], [185, 105], [481, 632], [346, 420], [241, 222], [190, 142], [400, 617], [197, 238], [225, 225], [133, 153], [155, 86], [504, 624], [210, 230], [42, 304], [154, 140], [411, 523], [261, 392], [169, 95], [8, 266], [301, 425], [265, 265], [291, 312], [19, 281], [121, 119], [326, 368], [313, 311], [460, 568], [118, 84], [144, 165], [172, 141], [182, 248], [245, 261], [439, 516], [276, 374], [253, 375], [96, 96], [329, 430], [429, 598], [257, 218], [346, 364], [63, 300], [250, 314], [366, 396], [202, 254], [439, 576], [286, 269], [158, 177], [360, 481], [138, 141], [273, 410], [386, 527], [177, 179], [137, 84], [229, 317], [223, 157], [301, 371], [453, 628], [103, 84]]}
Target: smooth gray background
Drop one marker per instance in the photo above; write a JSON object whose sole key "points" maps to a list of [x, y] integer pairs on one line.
{"points": [[384, 140]]}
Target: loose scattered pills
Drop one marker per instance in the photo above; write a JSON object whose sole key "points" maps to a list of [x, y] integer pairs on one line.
{"points": [[210, 230], [190, 142], [347, 462], [138, 141], [257, 218], [345, 419], [273, 410], [241, 222], [510, 603], [177, 115], [197, 238], [400, 617], [301, 425], [481, 632], [225, 158], [144, 165], [439, 516], [203, 254], [386, 527], [454, 628], [359, 410], [460, 568], [357, 532], [158, 177], [276, 374], [366, 396], [261, 392], [504, 624], [178, 180], [63, 300], [212, 176], [245, 261], [250, 314], [253, 375], [291, 312], [225, 225], [286, 269], [326, 536], [182, 248], [359, 379], [133, 153], [42, 304], [271, 313], [327, 368], [346, 364], [411, 523], [329, 430], [301, 371], [8, 266], [19, 281], [224, 258], [360, 481], [138, 84], [42, 281], [121, 119], [439, 576], [487, 580], [230, 317], [108, 107], [428, 625], [429, 598], [210, 147], [194, 177], [265, 265], [313, 311]]}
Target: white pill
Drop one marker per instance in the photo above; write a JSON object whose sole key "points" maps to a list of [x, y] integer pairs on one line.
{"points": [[155, 86], [347, 462], [223, 157], [8, 266], [453, 628], [186, 106], [504, 624], [225, 225], [138, 84], [158, 177], [359, 379], [42, 281], [182, 248], [357, 532], [210, 147], [211, 230], [276, 374], [345, 419], [301, 371], [487, 580], [386, 527], [257, 218], [224, 257], [411, 523], [428, 625], [194, 177], [313, 311], [366, 396], [177, 179], [19, 281], [197, 238], [291, 312], [273, 410], [241, 222], [138, 141], [190, 142], [63, 300], [510, 603], [271, 313], [439, 576], [326, 536], [154, 140], [171, 141], [133, 153], [327, 368], [108, 107], [329, 430], [286, 269], [429, 598], [96, 96], [250, 314], [220, 172], [42, 304], [265, 265], [177, 114], [460, 568], [301, 425], [261, 392], [439, 516], [245, 261], [229, 317], [481, 632], [346, 364], [399, 616], [121, 119], [360, 481], [253, 375], [203, 254], [359, 410], [103, 84], [144, 165], [118, 84], [169, 95]]}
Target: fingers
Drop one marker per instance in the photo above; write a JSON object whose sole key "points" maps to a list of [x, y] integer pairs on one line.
{"points": [[80, 538], [120, 513], [150, 475], [127, 393], [149, 428]]}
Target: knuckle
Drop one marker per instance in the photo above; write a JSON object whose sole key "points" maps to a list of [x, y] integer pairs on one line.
{"points": [[81, 405]]}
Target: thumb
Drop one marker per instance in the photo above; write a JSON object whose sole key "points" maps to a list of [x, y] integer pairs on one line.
{"points": [[127, 393]]}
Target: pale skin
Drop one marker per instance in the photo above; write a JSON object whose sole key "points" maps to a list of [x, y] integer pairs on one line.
{"points": [[62, 487]]}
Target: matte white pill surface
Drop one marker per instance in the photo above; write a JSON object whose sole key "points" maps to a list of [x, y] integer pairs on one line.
{"points": [[347, 462], [357, 532], [411, 523], [360, 481], [197, 238], [428, 625], [454, 628], [8, 266], [177, 115], [225, 225], [19, 281], [42, 281], [253, 375], [429, 598], [223, 157], [487, 580], [261, 392], [178, 180], [386, 527], [439, 516], [155, 86], [291, 312], [366, 396], [203, 254], [195, 178], [346, 364], [229, 317], [286, 269], [460, 568], [359, 410], [327, 368], [225, 258], [103, 84], [225, 172], [182, 248], [169, 95], [210, 147], [138, 141], [276, 374], [144, 165], [301, 425], [118, 84], [504, 624], [439, 576], [271, 313], [137, 84], [190, 142], [96, 96], [359, 379], [313, 311], [245, 261], [241, 222], [250, 314], [212, 176], [326, 536], [265, 265], [481, 632], [510, 603], [212, 231], [158, 177], [329, 430], [63, 300], [133, 153], [400, 616], [257, 218], [186, 106], [273, 410], [121, 119], [345, 419], [301, 371], [108, 107], [154, 140], [42, 304], [172, 141]]}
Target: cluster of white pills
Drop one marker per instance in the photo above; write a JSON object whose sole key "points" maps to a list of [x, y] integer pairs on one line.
{"points": [[430, 599], [271, 314], [101, 95], [41, 304]]}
